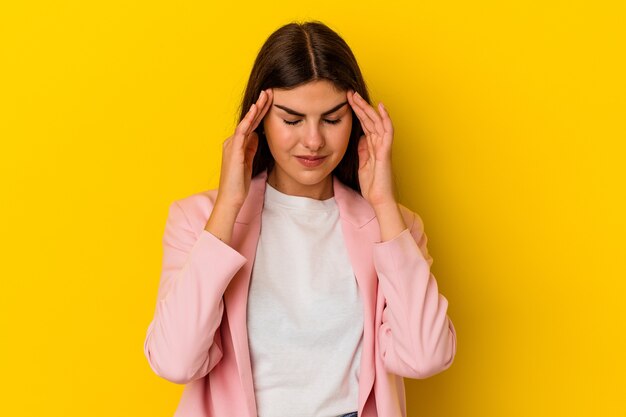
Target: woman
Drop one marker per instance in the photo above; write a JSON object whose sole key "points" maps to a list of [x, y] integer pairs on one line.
{"points": [[300, 287]]}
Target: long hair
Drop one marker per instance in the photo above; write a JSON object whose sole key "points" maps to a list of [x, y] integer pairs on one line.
{"points": [[295, 54]]}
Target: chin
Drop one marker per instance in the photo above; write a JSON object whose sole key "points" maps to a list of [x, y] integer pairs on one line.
{"points": [[311, 178]]}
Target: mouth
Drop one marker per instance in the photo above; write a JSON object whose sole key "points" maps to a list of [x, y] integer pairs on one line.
{"points": [[310, 161], [310, 157]]}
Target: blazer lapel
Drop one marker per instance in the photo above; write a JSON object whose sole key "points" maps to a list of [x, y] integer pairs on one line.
{"points": [[244, 239], [360, 229]]}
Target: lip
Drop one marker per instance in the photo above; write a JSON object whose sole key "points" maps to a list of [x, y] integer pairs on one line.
{"points": [[310, 161]]}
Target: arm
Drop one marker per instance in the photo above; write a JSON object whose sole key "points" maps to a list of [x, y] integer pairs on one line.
{"points": [[416, 338], [182, 342]]}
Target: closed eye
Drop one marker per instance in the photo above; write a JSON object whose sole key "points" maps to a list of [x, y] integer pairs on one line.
{"points": [[295, 122]]}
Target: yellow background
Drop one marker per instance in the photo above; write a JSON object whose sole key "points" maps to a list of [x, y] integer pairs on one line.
{"points": [[510, 130]]}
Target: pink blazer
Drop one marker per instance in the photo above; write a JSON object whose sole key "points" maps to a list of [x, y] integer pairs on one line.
{"points": [[198, 336]]}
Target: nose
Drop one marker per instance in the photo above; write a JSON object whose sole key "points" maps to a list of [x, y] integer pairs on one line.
{"points": [[314, 139]]}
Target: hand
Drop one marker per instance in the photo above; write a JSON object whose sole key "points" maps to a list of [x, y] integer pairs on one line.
{"points": [[238, 153], [375, 173]]}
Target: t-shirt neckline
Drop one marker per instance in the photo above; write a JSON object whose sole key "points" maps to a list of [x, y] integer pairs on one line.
{"points": [[273, 196]]}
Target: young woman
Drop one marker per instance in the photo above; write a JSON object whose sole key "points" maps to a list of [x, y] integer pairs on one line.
{"points": [[300, 287]]}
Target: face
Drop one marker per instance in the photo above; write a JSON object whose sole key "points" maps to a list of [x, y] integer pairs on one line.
{"points": [[307, 130]]}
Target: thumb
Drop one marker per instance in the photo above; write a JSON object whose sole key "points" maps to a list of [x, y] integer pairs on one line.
{"points": [[363, 151], [251, 145]]}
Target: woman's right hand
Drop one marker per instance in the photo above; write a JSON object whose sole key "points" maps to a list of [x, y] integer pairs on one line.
{"points": [[237, 155], [238, 152]]}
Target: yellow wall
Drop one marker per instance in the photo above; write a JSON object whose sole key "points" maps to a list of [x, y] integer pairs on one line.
{"points": [[510, 131]]}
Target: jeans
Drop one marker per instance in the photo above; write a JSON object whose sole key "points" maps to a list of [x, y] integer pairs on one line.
{"points": [[349, 415]]}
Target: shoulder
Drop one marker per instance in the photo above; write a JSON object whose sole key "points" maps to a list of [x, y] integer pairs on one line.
{"points": [[193, 210], [196, 208], [199, 199], [356, 209]]}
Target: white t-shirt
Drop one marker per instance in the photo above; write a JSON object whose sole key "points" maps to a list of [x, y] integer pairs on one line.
{"points": [[305, 313]]}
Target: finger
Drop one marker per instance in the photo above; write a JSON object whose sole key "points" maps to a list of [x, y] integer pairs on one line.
{"points": [[349, 94], [371, 113], [245, 123], [259, 105], [269, 97], [352, 106], [365, 124], [386, 119], [370, 147], [268, 105], [361, 122], [368, 126], [263, 104], [361, 106]]}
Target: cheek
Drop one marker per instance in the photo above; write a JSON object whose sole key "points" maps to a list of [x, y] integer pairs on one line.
{"points": [[276, 126], [277, 134]]}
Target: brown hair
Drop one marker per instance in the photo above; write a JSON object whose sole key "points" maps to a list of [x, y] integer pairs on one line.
{"points": [[295, 54]]}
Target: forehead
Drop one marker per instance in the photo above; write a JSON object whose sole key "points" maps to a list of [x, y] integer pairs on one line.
{"points": [[312, 97]]}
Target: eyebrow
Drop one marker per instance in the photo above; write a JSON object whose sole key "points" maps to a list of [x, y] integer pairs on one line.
{"points": [[295, 113]]}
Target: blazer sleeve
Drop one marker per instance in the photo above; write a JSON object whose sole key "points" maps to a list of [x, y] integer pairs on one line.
{"points": [[416, 338], [182, 342]]}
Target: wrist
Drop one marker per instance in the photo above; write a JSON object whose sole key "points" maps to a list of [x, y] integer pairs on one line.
{"points": [[221, 222], [385, 206], [225, 205], [390, 220]]}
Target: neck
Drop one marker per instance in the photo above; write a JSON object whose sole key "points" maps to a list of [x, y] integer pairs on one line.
{"points": [[321, 191]]}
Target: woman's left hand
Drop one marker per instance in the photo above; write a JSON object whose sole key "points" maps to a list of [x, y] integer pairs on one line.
{"points": [[375, 173]]}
